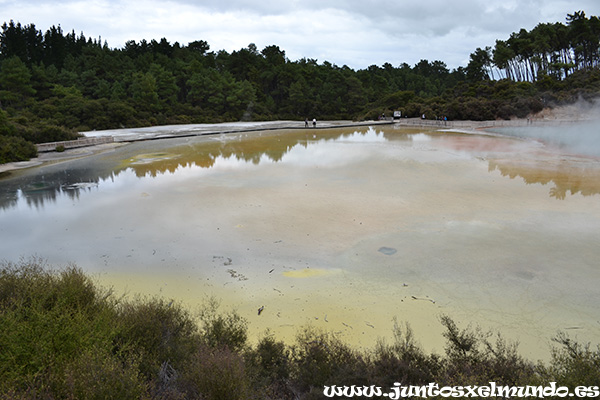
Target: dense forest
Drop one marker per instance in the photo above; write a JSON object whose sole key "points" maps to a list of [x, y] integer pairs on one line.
{"points": [[56, 84]]}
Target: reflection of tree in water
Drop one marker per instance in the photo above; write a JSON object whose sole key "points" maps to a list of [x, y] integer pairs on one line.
{"points": [[73, 178], [250, 150], [566, 177], [9, 199], [39, 189], [70, 179]]}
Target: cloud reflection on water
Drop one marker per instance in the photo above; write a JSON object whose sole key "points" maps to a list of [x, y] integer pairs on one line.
{"points": [[453, 228], [180, 158]]}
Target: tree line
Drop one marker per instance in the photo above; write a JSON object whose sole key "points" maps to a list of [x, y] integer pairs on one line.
{"points": [[56, 84], [553, 50]]}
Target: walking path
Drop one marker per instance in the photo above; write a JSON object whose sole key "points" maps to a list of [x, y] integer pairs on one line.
{"points": [[173, 131], [95, 141]]}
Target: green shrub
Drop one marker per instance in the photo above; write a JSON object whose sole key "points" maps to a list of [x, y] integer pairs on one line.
{"points": [[13, 148], [215, 374], [6, 127], [222, 330], [271, 358], [159, 331], [47, 318], [98, 374], [53, 133], [60, 148], [471, 358], [506, 111], [403, 361], [320, 358], [573, 364], [63, 337], [269, 367]]}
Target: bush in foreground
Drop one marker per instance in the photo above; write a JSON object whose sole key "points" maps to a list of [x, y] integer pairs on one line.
{"points": [[62, 336], [58, 334]]}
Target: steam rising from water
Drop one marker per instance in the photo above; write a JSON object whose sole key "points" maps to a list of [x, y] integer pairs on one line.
{"points": [[577, 129], [581, 138]]}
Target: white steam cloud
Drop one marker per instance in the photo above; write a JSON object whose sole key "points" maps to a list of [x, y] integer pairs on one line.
{"points": [[575, 129]]}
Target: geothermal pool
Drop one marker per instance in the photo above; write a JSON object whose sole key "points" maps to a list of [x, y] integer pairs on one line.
{"points": [[341, 229]]}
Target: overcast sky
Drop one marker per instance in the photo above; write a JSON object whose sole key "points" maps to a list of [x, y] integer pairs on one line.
{"points": [[357, 33]]}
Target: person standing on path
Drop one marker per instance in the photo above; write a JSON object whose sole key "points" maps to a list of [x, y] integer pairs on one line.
{"points": [[314, 122]]}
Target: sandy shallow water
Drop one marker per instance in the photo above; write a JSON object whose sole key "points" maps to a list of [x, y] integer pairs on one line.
{"points": [[341, 229]]}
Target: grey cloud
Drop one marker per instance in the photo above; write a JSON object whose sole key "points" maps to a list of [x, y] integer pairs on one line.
{"points": [[353, 32]]}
